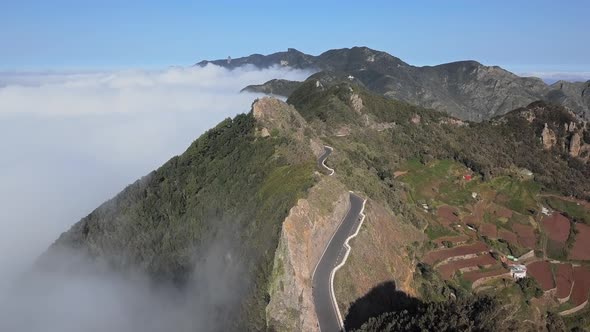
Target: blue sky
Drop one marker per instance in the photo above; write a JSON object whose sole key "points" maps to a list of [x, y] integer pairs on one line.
{"points": [[524, 36]]}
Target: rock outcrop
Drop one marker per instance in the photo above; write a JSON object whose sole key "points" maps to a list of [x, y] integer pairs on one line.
{"points": [[575, 145], [548, 138], [356, 102], [276, 116]]}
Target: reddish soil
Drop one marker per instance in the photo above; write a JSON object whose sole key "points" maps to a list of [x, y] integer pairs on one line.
{"points": [[471, 220], [508, 236], [439, 255], [479, 210], [457, 239], [541, 271], [475, 275], [488, 230], [564, 279], [448, 270], [581, 249], [502, 198], [447, 215], [500, 211], [526, 235], [581, 285], [557, 227]]}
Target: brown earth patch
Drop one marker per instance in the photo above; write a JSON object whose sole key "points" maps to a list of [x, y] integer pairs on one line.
{"points": [[448, 270], [557, 227], [399, 173], [431, 189], [439, 255], [447, 215], [476, 217], [526, 235], [581, 285], [541, 271], [581, 249], [475, 275], [471, 220], [488, 230], [502, 198], [501, 212], [508, 236], [564, 278]]}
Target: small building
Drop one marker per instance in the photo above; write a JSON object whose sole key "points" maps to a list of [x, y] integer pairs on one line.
{"points": [[350, 77], [467, 177], [518, 271], [545, 211], [474, 195]]}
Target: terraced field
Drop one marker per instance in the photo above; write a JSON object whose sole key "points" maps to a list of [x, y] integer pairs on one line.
{"points": [[478, 227], [541, 271], [564, 279], [581, 247], [448, 270], [466, 251]]}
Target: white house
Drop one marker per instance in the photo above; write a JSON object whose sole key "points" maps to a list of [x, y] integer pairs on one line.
{"points": [[518, 271]]}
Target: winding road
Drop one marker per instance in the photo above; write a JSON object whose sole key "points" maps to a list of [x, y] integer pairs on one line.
{"points": [[333, 258], [322, 160]]}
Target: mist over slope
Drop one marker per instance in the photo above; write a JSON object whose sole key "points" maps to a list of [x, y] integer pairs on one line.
{"points": [[72, 140]]}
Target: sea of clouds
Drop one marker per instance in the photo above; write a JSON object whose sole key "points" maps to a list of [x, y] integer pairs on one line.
{"points": [[69, 141]]}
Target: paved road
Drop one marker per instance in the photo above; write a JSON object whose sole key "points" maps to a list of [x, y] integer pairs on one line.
{"points": [[328, 314], [327, 151]]}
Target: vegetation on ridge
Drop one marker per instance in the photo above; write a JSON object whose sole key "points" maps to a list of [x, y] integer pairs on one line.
{"points": [[230, 187]]}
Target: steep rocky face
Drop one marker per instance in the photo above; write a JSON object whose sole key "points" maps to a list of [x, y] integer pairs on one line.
{"points": [[464, 89], [575, 96], [472, 91], [307, 228]]}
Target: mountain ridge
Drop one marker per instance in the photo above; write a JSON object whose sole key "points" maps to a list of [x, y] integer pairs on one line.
{"points": [[466, 89]]}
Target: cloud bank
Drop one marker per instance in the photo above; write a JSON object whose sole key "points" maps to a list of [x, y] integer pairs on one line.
{"points": [[70, 141]]}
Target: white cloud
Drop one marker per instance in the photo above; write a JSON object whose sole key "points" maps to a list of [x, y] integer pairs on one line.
{"points": [[70, 141], [554, 76]]}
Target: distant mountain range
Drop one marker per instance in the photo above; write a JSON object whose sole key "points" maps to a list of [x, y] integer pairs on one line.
{"points": [[464, 89]]}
